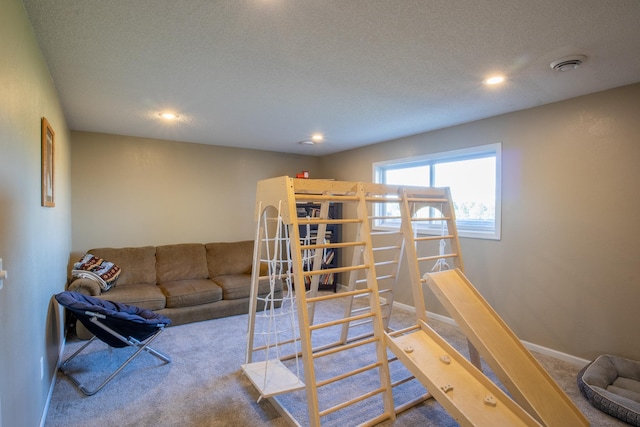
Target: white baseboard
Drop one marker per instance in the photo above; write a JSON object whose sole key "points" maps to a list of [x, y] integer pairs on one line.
{"points": [[574, 360]]}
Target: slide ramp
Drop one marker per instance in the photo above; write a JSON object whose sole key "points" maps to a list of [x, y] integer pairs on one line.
{"points": [[467, 395], [529, 384]]}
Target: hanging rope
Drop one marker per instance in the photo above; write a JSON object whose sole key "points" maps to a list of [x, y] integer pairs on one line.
{"points": [[441, 264], [278, 257]]}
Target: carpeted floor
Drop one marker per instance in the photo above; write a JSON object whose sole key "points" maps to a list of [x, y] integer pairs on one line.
{"points": [[204, 384]]}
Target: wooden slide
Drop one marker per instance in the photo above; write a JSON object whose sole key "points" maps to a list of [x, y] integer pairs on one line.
{"points": [[528, 383], [468, 396]]}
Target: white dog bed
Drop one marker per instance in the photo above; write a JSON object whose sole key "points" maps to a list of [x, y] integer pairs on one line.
{"points": [[612, 384]]}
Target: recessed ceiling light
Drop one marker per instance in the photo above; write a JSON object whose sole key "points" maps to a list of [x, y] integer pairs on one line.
{"points": [[315, 138], [168, 116], [495, 80]]}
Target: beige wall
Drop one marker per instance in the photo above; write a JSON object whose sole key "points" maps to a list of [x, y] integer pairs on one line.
{"points": [[565, 274], [34, 241], [133, 191]]}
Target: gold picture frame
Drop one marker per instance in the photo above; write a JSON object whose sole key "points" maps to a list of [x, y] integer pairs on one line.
{"points": [[48, 165]]}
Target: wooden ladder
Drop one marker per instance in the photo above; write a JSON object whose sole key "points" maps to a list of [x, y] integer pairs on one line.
{"points": [[387, 247], [430, 209], [285, 193]]}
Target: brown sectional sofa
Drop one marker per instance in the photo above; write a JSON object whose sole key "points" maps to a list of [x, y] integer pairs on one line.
{"points": [[187, 282]]}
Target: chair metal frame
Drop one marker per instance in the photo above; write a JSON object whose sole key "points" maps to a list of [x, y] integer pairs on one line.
{"points": [[128, 341]]}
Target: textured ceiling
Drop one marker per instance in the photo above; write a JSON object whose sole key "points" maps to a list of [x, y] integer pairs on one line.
{"points": [[266, 74]]}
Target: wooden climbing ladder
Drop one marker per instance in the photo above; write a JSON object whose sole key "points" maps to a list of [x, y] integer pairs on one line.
{"points": [[282, 195], [387, 248]]}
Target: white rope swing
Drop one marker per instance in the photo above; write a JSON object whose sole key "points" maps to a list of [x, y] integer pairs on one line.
{"points": [[278, 325]]}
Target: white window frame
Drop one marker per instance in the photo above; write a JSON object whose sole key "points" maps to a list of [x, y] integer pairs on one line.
{"points": [[468, 229]]}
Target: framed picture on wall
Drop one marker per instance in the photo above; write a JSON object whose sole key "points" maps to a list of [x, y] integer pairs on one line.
{"points": [[48, 147]]}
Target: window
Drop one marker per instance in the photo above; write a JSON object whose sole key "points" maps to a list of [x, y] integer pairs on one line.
{"points": [[473, 176]]}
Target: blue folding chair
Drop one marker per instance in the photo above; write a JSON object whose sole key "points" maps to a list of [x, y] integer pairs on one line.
{"points": [[118, 325]]}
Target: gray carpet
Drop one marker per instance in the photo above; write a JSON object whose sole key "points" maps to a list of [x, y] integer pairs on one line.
{"points": [[204, 385]]}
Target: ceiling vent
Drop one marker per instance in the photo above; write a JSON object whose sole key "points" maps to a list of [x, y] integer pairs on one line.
{"points": [[568, 63]]}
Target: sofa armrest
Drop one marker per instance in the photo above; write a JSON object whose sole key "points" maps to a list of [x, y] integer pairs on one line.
{"points": [[86, 287]]}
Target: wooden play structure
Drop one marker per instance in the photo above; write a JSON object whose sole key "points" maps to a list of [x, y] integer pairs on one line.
{"points": [[288, 351]]}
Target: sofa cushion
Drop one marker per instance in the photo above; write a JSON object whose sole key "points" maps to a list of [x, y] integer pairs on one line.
{"points": [[181, 262], [142, 295], [138, 265], [229, 258], [184, 293], [236, 286]]}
